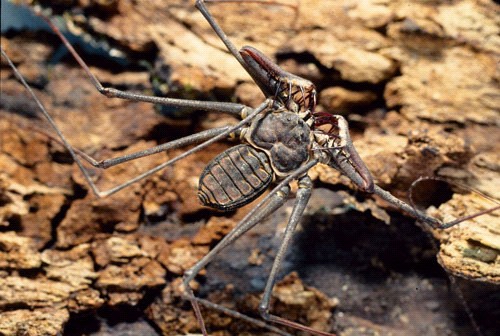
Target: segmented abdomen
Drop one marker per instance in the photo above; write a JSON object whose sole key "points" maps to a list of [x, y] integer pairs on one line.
{"points": [[234, 178]]}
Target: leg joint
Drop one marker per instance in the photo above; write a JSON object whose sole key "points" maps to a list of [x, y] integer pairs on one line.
{"points": [[305, 182], [264, 311]]}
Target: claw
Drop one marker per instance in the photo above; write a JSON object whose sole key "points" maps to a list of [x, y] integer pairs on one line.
{"points": [[339, 131], [295, 93]]}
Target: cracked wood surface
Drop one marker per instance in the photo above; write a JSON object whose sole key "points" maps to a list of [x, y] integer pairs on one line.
{"points": [[418, 82]]}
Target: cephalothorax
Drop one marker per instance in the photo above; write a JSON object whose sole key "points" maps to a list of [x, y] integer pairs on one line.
{"points": [[283, 138]]}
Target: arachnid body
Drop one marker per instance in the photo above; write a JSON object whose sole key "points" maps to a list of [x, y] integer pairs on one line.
{"points": [[282, 139]]}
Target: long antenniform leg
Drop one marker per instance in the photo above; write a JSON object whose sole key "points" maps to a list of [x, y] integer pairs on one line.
{"points": [[230, 108], [213, 136], [269, 204], [201, 6], [347, 169]]}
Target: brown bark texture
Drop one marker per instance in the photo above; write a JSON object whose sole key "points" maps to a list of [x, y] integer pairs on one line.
{"points": [[418, 82]]}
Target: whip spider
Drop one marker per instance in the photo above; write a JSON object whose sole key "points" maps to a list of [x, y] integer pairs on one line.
{"points": [[282, 139]]}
